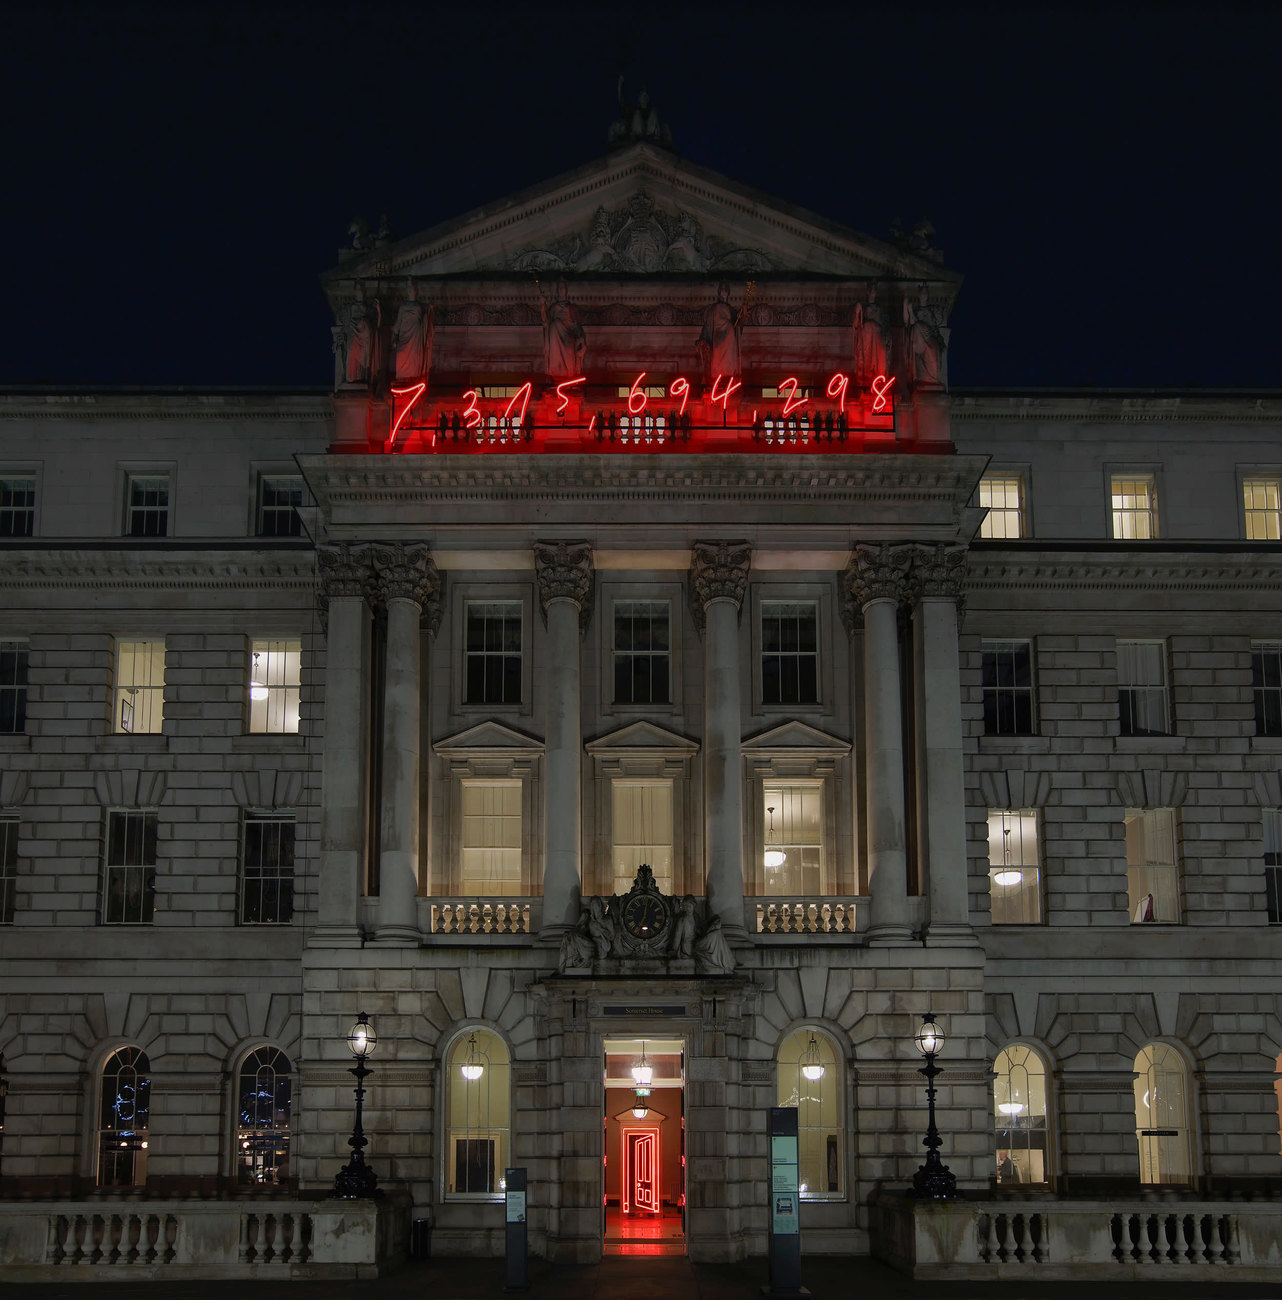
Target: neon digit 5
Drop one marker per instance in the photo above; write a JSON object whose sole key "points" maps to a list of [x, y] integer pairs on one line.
{"points": [[563, 395], [680, 388], [793, 401], [881, 392], [636, 396], [837, 386], [472, 412], [415, 392], [724, 397]]}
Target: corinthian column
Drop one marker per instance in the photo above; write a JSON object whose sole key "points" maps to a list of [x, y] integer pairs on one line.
{"points": [[343, 578], [875, 585], [563, 571], [938, 574], [406, 580], [718, 576]]}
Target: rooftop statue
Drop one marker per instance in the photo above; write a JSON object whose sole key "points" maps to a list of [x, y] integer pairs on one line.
{"points": [[564, 344], [927, 340], [718, 344], [638, 122], [412, 337], [870, 338]]}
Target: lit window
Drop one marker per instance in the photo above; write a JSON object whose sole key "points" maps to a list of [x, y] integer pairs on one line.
{"points": [[491, 837], [1152, 878], [140, 686], [1272, 863], [479, 1110], [1266, 684], [1020, 1116], [147, 505], [279, 496], [129, 869], [642, 652], [124, 1112], [13, 687], [792, 830], [8, 869], [267, 870], [1262, 506], [1014, 867], [274, 677], [492, 658], [789, 652], [810, 1079], [1162, 1116], [1141, 688], [1007, 668], [1003, 497], [642, 832], [264, 1105], [1134, 503], [17, 505]]}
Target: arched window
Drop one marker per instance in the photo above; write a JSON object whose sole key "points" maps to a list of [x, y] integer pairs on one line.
{"points": [[1162, 1115], [1020, 1116], [264, 1100], [810, 1079], [478, 1101], [123, 1116]]}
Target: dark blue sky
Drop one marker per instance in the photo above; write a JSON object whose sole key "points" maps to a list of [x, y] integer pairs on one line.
{"points": [[1105, 176]]}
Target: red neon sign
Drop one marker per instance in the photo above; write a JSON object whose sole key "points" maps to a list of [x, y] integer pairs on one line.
{"points": [[724, 397], [417, 391], [523, 393], [472, 412], [881, 392], [837, 386], [636, 396], [680, 387], [563, 395], [793, 401]]}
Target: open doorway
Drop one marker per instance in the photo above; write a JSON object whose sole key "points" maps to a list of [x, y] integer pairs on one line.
{"points": [[645, 1148]]}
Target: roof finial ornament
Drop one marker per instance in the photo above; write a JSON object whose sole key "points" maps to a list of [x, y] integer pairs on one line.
{"points": [[638, 122]]}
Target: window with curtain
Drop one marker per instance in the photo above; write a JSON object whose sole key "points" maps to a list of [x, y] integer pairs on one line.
{"points": [[1020, 1110], [1141, 688], [264, 1104], [1162, 1116], [491, 837], [810, 1079], [478, 1110], [642, 832], [1152, 872], [792, 831], [1014, 867], [123, 1115], [140, 686]]}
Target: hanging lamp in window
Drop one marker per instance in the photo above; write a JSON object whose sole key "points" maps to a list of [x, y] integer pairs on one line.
{"points": [[811, 1064], [257, 688], [775, 856], [472, 1069], [1008, 875], [641, 1107], [642, 1072]]}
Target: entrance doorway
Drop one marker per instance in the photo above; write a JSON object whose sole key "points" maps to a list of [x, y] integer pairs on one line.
{"points": [[644, 1143]]}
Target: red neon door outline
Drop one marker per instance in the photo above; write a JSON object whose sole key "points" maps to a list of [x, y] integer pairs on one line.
{"points": [[641, 1171]]}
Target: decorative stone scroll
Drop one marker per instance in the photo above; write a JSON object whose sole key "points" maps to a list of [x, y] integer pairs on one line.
{"points": [[563, 571], [718, 571], [405, 572]]}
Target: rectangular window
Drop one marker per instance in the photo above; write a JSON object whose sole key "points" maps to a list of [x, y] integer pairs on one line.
{"points": [[1008, 688], [793, 833], [140, 686], [8, 867], [642, 832], [642, 652], [1266, 683], [17, 505], [275, 669], [789, 652], [147, 505], [1003, 496], [1014, 867], [1273, 863], [492, 657], [1152, 881], [1141, 688], [1262, 506], [491, 837], [267, 870], [279, 496], [1134, 503], [13, 687], [129, 869]]}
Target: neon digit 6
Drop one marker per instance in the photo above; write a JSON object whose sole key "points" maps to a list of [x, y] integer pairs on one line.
{"points": [[680, 388], [837, 386], [472, 412], [636, 396], [881, 391], [793, 401]]}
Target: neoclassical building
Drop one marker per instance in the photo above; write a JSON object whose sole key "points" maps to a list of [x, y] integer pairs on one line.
{"points": [[646, 690]]}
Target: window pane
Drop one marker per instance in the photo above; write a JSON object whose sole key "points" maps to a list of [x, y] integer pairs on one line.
{"points": [[1141, 692], [13, 687], [1020, 1116], [1161, 1116], [1262, 503], [275, 674], [1272, 863], [1003, 499], [479, 1120], [1014, 867], [642, 832], [8, 872], [492, 657], [789, 652], [641, 652], [147, 510], [17, 506], [1152, 875], [792, 828], [1007, 678], [124, 1112], [263, 1114], [492, 856], [803, 1056], [267, 870], [278, 500], [140, 686], [1266, 681], [1134, 508]]}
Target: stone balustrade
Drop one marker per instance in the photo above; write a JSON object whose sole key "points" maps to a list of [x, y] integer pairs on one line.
{"points": [[482, 915], [806, 915]]}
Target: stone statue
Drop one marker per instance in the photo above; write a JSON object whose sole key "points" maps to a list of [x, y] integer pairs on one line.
{"points": [[683, 252], [360, 322], [564, 343], [683, 932], [362, 235], [712, 955], [718, 344], [870, 338], [600, 928], [577, 948], [638, 123], [599, 253], [412, 337], [927, 339]]}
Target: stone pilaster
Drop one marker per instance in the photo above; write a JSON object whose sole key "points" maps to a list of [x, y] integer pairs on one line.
{"points": [[718, 578]]}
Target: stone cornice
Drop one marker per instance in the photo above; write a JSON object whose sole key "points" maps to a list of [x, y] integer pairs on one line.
{"points": [[134, 568], [1154, 406], [106, 403], [1182, 571]]}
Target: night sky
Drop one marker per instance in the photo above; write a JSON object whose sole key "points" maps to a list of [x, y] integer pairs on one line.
{"points": [[1105, 176]]}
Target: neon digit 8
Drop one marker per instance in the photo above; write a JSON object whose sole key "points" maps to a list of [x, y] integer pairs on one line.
{"points": [[636, 396], [680, 388], [837, 386], [881, 392]]}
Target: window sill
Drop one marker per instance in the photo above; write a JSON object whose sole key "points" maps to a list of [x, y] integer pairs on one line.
{"points": [[1167, 744], [254, 742], [1014, 744], [146, 742]]}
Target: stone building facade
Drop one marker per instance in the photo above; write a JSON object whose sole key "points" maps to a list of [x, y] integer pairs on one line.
{"points": [[910, 701]]}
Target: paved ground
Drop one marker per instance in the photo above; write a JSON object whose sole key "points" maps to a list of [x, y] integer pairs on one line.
{"points": [[828, 1278]]}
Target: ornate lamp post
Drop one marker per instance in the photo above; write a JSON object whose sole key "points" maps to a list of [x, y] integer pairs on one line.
{"points": [[355, 1179], [933, 1178]]}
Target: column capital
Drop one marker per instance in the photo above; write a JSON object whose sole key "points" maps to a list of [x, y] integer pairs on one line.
{"points": [[405, 571], [937, 572], [563, 571], [344, 570], [718, 571], [875, 572]]}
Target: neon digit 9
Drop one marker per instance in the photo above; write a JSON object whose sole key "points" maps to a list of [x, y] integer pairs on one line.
{"points": [[837, 387], [680, 387]]}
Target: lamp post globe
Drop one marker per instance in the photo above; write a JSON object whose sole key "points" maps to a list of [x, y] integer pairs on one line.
{"points": [[933, 1179], [356, 1180]]}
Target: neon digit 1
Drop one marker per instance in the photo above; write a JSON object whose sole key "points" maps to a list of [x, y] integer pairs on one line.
{"points": [[724, 398], [880, 392], [793, 401], [837, 386], [472, 412], [415, 393], [521, 395], [680, 388], [563, 395], [636, 396]]}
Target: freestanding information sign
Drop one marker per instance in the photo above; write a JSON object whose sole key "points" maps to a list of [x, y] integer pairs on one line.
{"points": [[785, 1221], [514, 1216]]}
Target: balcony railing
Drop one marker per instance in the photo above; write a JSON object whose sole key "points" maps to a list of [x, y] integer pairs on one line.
{"points": [[466, 916], [806, 915]]}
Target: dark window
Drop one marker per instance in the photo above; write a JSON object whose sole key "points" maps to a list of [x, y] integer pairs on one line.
{"points": [[279, 497], [267, 883], [789, 652], [13, 687], [123, 1119], [129, 870], [492, 659], [1266, 679], [642, 652], [265, 1103], [147, 509], [1008, 688], [17, 506], [1141, 688], [473, 1164], [1273, 863], [8, 867]]}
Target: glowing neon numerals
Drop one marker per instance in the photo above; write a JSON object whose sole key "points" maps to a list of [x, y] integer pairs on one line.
{"points": [[837, 386], [416, 391], [793, 401], [724, 397], [881, 392], [563, 395], [472, 412], [680, 388], [636, 396], [523, 396]]}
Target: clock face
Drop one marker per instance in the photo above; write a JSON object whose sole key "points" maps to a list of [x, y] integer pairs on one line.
{"points": [[644, 916]]}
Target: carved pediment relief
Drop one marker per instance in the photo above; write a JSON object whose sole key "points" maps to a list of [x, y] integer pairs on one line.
{"points": [[640, 736], [488, 738], [795, 737]]}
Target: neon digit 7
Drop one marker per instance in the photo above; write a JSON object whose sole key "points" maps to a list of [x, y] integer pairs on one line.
{"points": [[472, 412], [680, 387], [837, 386], [636, 396], [724, 398], [563, 395], [415, 392], [880, 392], [521, 395], [793, 401]]}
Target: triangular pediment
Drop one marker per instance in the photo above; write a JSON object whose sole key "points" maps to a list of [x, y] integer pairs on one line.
{"points": [[794, 737], [642, 210], [642, 737], [488, 738]]}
